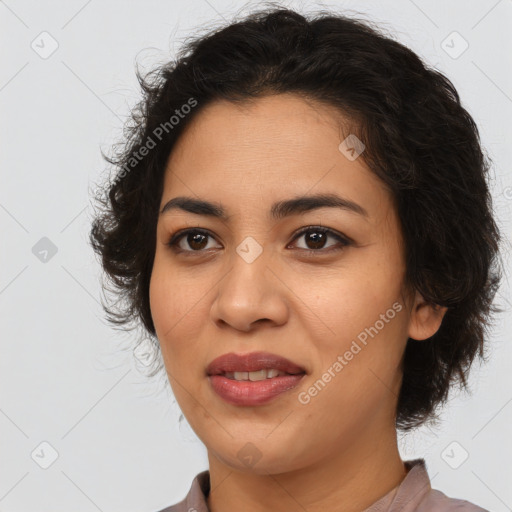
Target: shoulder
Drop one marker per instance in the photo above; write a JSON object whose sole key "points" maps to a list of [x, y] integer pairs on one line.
{"points": [[415, 494], [174, 508], [438, 501], [195, 500]]}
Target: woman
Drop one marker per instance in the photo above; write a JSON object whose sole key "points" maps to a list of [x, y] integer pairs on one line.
{"points": [[301, 220]]}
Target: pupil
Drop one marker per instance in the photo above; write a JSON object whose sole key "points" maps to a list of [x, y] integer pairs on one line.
{"points": [[193, 238], [320, 239]]}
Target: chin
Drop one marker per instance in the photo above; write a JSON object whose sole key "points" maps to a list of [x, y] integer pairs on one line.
{"points": [[259, 456]]}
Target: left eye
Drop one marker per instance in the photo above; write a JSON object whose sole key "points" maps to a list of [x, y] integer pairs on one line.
{"points": [[315, 238]]}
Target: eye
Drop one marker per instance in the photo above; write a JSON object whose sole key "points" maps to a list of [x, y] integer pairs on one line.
{"points": [[195, 238], [315, 238]]}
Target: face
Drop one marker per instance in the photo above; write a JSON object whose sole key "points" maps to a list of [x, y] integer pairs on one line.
{"points": [[329, 301]]}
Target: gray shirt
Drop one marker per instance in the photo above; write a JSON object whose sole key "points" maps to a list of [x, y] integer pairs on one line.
{"points": [[414, 493]]}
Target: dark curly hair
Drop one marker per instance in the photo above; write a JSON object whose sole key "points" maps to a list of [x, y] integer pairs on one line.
{"points": [[420, 141]]}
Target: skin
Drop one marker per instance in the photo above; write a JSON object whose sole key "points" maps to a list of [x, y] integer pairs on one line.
{"points": [[339, 451]]}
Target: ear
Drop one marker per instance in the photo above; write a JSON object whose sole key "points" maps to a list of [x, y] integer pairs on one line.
{"points": [[425, 319]]}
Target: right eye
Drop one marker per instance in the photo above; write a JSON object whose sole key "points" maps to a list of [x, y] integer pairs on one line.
{"points": [[196, 239]]}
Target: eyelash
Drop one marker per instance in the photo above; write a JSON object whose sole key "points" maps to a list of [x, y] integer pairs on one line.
{"points": [[176, 238]]}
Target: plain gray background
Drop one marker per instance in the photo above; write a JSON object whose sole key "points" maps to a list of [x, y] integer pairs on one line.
{"points": [[81, 427]]}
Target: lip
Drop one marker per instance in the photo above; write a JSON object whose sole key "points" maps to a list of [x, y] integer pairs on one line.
{"points": [[251, 362], [248, 393], [252, 393]]}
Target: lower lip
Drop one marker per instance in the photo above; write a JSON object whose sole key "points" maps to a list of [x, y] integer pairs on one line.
{"points": [[249, 393]]}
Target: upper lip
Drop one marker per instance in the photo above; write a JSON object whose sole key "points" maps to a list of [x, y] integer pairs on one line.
{"points": [[251, 362]]}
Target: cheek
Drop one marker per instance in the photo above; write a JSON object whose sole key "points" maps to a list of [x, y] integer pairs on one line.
{"points": [[362, 319], [359, 368], [179, 306], [172, 303], [354, 298], [172, 295], [160, 299]]}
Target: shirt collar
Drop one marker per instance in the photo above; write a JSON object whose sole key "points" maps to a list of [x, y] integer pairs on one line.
{"points": [[407, 495]]}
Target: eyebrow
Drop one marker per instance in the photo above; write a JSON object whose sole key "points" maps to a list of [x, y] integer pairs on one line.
{"points": [[279, 209]]}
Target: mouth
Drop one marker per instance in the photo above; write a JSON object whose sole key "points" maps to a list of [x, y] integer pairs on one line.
{"points": [[253, 366], [263, 374], [254, 379]]}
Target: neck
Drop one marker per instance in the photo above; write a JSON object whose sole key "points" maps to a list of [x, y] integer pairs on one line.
{"points": [[349, 481]]}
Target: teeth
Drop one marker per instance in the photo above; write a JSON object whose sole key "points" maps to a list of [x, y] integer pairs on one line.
{"points": [[255, 376]]}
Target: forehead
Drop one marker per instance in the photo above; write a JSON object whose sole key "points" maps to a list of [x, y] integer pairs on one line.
{"points": [[261, 151], [277, 126]]}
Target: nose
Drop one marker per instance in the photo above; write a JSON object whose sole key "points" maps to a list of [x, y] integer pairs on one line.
{"points": [[250, 294]]}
